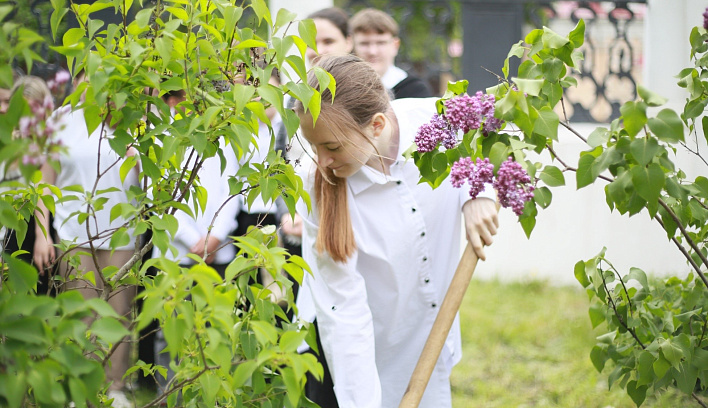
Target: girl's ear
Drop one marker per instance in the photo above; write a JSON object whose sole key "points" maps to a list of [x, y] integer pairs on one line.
{"points": [[378, 123]]}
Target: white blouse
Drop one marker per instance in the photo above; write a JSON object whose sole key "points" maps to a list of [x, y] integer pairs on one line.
{"points": [[80, 166], [376, 310]]}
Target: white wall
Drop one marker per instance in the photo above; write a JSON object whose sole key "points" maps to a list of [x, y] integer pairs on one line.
{"points": [[576, 226]]}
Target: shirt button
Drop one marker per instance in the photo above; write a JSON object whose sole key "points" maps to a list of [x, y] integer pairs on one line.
{"points": [[425, 258], [398, 182], [434, 305], [426, 280], [412, 209], [334, 307], [422, 234]]}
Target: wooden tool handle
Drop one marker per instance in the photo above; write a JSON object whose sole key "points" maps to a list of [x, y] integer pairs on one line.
{"points": [[440, 330]]}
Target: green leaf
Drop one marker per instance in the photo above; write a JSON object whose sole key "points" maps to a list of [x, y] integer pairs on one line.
{"points": [[308, 32], [584, 175], [580, 275], [27, 330], [649, 97], [667, 126], [553, 40], [598, 137], [210, 384], [546, 124], [517, 50], [243, 372], [109, 329], [529, 86], [577, 35], [686, 377], [55, 20], [637, 393], [597, 314], [644, 150], [648, 181], [638, 275], [120, 238], [283, 17], [599, 357], [542, 196], [291, 340], [22, 276], [661, 366], [634, 115], [552, 176], [671, 352], [553, 69], [265, 333], [645, 371]]}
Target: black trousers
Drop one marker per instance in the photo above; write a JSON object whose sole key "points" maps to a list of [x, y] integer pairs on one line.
{"points": [[44, 285]]}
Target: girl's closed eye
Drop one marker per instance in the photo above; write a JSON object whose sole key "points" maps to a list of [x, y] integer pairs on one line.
{"points": [[333, 148]]}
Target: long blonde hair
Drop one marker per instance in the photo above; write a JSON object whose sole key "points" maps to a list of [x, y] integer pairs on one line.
{"points": [[359, 95]]}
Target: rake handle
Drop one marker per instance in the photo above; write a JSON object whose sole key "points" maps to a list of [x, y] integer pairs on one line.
{"points": [[440, 330]]}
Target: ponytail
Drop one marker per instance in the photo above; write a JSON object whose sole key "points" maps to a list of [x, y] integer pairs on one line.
{"points": [[335, 235]]}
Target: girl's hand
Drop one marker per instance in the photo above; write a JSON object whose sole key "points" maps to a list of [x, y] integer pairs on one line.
{"points": [[44, 252], [290, 225], [481, 223], [211, 247]]}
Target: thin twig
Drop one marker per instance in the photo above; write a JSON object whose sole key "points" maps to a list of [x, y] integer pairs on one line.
{"points": [[688, 239], [614, 308]]}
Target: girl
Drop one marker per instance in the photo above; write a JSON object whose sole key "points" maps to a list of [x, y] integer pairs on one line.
{"points": [[383, 248]]}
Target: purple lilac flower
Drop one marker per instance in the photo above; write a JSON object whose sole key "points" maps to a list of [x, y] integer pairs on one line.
{"points": [[513, 186], [460, 171], [492, 124], [434, 132], [484, 174], [463, 113], [466, 112], [705, 19], [475, 174]]}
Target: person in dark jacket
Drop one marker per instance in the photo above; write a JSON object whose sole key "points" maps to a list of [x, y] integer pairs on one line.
{"points": [[375, 37]]}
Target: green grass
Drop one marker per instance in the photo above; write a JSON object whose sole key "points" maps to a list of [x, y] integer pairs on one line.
{"points": [[528, 345]]}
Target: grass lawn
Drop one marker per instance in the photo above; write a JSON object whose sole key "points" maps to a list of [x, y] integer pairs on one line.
{"points": [[528, 345]]}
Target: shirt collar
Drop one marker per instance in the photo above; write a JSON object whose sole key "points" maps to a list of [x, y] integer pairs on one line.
{"points": [[393, 76], [367, 177]]}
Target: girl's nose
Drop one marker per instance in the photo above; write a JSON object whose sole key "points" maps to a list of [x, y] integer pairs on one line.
{"points": [[324, 160]]}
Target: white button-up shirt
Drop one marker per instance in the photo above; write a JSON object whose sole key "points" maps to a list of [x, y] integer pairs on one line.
{"points": [[376, 310]]}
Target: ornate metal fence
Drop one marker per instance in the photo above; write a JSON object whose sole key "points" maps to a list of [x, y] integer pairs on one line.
{"points": [[434, 34]]}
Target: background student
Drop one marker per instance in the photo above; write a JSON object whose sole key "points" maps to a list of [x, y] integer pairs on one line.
{"points": [[375, 37]]}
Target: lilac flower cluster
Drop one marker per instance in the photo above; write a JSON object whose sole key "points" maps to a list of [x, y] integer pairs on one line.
{"points": [[512, 183], [466, 112], [705, 19], [475, 174], [41, 126], [434, 132], [463, 113], [513, 186]]}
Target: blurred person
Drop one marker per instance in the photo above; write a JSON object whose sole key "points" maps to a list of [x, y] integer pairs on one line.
{"points": [[204, 231], [375, 37], [332, 33], [79, 165], [38, 95]]}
